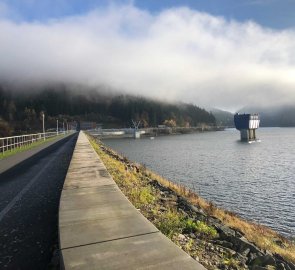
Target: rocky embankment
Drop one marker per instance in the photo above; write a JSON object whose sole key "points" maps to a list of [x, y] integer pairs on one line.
{"points": [[229, 249], [194, 228]]}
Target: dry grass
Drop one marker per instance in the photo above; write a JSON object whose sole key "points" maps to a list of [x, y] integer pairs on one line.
{"points": [[261, 236]]}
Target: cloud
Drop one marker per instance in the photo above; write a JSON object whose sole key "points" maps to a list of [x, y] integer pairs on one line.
{"points": [[177, 54]]}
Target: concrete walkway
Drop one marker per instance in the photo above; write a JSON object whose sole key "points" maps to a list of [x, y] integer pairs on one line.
{"points": [[100, 229]]}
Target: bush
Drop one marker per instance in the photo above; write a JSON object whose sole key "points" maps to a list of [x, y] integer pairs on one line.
{"points": [[199, 227], [141, 196], [170, 223]]}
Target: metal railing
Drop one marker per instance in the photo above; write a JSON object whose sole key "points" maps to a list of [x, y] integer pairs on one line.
{"points": [[12, 143]]}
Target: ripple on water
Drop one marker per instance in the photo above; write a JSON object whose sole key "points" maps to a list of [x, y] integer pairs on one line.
{"points": [[254, 180]]}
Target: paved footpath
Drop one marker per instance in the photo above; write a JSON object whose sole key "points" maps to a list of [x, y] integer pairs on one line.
{"points": [[100, 229], [29, 203]]}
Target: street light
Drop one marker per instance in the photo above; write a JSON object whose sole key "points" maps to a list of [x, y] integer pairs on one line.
{"points": [[43, 124]]}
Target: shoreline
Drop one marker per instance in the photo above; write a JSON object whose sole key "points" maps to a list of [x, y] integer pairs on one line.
{"points": [[216, 238], [159, 132]]}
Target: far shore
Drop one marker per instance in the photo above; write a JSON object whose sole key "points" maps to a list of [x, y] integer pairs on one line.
{"points": [[152, 132]]}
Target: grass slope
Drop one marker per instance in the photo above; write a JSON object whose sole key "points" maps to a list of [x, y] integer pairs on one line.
{"points": [[136, 182]]}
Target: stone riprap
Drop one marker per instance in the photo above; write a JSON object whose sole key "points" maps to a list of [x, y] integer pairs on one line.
{"points": [[100, 229], [228, 249]]}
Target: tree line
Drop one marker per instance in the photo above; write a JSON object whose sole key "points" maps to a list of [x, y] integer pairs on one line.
{"points": [[21, 110]]}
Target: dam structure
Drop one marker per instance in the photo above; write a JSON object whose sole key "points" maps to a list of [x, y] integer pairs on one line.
{"points": [[247, 125], [99, 228]]}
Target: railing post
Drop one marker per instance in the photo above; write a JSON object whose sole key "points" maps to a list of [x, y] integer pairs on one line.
{"points": [[43, 124], [14, 142]]}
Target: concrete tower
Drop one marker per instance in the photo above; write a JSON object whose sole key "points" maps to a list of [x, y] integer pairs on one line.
{"points": [[247, 125]]}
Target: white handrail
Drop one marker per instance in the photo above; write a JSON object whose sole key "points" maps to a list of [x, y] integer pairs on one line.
{"points": [[13, 142]]}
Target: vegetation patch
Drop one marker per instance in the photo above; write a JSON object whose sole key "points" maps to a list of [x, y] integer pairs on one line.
{"points": [[216, 238]]}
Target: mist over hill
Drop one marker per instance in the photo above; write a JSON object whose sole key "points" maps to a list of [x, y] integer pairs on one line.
{"points": [[21, 108], [276, 116], [223, 118]]}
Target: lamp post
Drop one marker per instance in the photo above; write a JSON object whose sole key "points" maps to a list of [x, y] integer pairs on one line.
{"points": [[43, 124], [57, 127]]}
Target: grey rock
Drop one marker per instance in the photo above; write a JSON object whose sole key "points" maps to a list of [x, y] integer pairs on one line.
{"points": [[291, 265], [181, 237], [241, 245], [195, 209], [256, 267], [213, 221], [192, 235], [252, 256], [239, 234], [281, 266], [263, 261], [242, 259], [288, 265], [226, 250], [246, 252], [224, 231], [224, 243]]}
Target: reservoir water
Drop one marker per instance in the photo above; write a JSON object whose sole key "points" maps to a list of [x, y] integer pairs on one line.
{"points": [[256, 181]]}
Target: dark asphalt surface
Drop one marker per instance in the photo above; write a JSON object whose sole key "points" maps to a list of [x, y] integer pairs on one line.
{"points": [[29, 203]]}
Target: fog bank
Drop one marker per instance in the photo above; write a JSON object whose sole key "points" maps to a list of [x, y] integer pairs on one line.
{"points": [[178, 54]]}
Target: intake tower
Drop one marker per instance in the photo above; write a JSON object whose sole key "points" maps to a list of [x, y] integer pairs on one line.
{"points": [[247, 125]]}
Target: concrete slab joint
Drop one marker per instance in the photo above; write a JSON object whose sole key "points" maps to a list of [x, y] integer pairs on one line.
{"points": [[100, 229]]}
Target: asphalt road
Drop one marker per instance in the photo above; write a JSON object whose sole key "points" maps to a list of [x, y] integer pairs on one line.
{"points": [[29, 203]]}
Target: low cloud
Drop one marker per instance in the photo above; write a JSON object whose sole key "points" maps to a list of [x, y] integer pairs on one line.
{"points": [[177, 54]]}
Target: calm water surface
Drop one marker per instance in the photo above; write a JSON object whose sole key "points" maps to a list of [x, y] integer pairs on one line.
{"points": [[255, 180]]}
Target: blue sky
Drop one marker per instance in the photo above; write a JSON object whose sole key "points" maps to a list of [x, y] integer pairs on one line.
{"points": [[278, 14], [269, 13]]}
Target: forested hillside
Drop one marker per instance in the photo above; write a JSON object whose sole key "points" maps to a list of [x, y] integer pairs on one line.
{"points": [[275, 116], [223, 118], [20, 111]]}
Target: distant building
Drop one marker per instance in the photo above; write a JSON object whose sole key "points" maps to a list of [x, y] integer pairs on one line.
{"points": [[84, 125]]}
